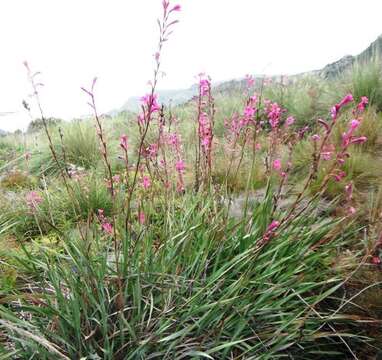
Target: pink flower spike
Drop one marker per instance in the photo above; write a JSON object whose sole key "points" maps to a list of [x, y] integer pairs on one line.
{"points": [[361, 106], [376, 260], [141, 217], [123, 142], [354, 124], [250, 80], [249, 111], [289, 121], [176, 8], [180, 166], [107, 228], [349, 190], [346, 100], [273, 225], [146, 182], [277, 164], [358, 140]]}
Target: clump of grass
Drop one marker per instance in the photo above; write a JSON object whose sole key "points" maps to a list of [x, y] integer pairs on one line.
{"points": [[201, 283], [16, 180], [366, 80]]}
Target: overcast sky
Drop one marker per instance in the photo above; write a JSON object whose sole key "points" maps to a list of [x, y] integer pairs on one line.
{"points": [[71, 41]]}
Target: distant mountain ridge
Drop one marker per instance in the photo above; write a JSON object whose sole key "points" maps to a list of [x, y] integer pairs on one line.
{"points": [[332, 70], [374, 50]]}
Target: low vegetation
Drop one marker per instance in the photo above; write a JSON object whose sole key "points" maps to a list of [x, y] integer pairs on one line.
{"points": [[246, 226]]}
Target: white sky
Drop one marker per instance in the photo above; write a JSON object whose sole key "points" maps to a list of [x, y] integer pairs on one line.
{"points": [[71, 41]]}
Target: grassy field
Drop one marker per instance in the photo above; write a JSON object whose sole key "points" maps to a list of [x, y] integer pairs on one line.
{"points": [[240, 225]]}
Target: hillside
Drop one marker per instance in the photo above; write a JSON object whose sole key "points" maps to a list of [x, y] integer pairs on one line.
{"points": [[179, 96]]}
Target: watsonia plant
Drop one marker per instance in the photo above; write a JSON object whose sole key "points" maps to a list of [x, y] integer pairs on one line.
{"points": [[162, 271]]}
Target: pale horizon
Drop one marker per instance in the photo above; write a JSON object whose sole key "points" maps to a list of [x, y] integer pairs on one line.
{"points": [[73, 41]]}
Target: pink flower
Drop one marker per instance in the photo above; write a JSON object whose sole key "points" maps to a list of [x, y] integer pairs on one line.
{"points": [[249, 111], [273, 225], [180, 165], [274, 113], [258, 146], [347, 99], [176, 8], [289, 121], [123, 142], [349, 191], [107, 228], [146, 182], [250, 80], [327, 151], [352, 210], [358, 140], [153, 150], [336, 108], [173, 139], [361, 106], [141, 217], [338, 177], [376, 260], [277, 164], [204, 86], [354, 124], [316, 137], [150, 101], [33, 199]]}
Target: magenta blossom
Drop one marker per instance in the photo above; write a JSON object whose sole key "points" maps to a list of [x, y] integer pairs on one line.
{"points": [[107, 228], [358, 140], [204, 85], [338, 177], [250, 80], [179, 166], [146, 182], [273, 225], [249, 111], [123, 142], [316, 137], [327, 151], [141, 217], [336, 108], [354, 124], [289, 121], [349, 191], [176, 8], [376, 260], [274, 112], [277, 164], [150, 101], [361, 106]]}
